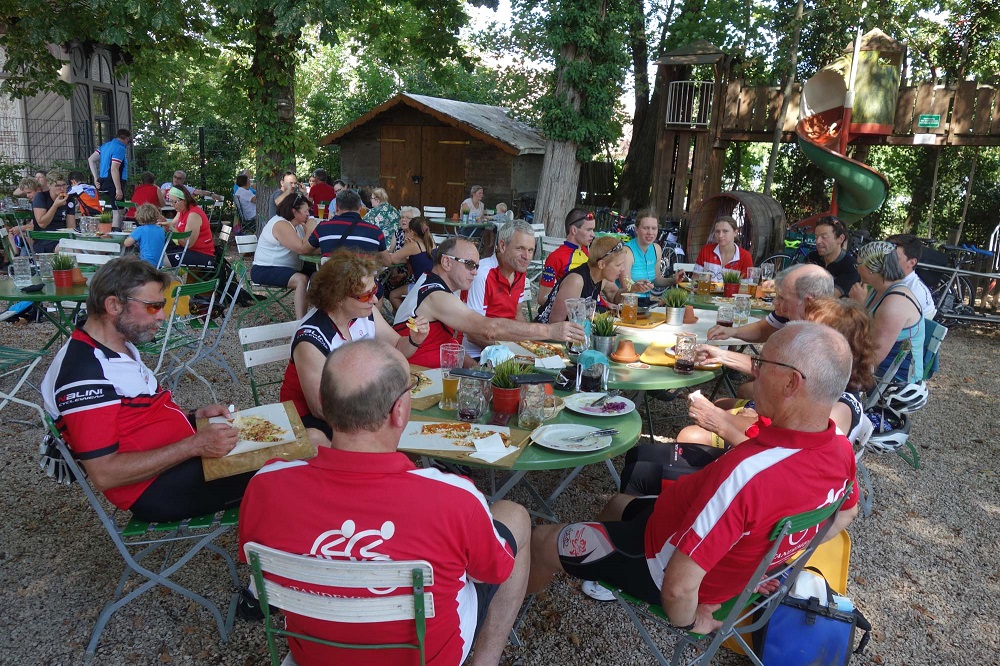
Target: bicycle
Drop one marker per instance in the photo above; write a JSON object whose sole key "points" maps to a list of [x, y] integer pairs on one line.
{"points": [[954, 297]]}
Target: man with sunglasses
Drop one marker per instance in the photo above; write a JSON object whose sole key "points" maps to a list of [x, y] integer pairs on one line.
{"points": [[361, 499], [696, 544], [434, 297], [180, 180], [573, 252], [135, 443]]}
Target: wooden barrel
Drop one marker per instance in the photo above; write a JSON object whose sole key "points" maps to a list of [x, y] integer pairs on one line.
{"points": [[761, 223]]}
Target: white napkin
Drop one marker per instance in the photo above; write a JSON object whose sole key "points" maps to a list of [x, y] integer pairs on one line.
{"points": [[550, 362], [491, 449]]}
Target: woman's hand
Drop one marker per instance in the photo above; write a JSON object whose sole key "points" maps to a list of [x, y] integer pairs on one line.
{"points": [[641, 286], [679, 276], [858, 293]]}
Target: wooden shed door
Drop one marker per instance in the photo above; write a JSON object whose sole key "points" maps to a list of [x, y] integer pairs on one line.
{"points": [[399, 149], [444, 167]]}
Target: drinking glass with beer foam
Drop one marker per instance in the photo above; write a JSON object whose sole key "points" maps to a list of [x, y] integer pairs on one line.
{"points": [[452, 356]]}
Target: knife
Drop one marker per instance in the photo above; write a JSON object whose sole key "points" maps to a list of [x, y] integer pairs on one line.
{"points": [[597, 433]]}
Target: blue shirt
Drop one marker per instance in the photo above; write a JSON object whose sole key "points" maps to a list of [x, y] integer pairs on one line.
{"points": [[644, 266], [150, 238], [113, 151]]}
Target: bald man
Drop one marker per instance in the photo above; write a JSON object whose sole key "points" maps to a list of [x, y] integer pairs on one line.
{"points": [[795, 287], [363, 493]]}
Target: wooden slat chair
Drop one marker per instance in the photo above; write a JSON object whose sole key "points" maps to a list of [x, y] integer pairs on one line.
{"points": [[417, 606], [255, 356], [7, 244], [264, 295], [746, 612], [436, 217], [89, 253], [136, 540]]}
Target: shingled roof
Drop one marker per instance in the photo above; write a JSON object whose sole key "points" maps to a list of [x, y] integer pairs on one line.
{"points": [[487, 123]]}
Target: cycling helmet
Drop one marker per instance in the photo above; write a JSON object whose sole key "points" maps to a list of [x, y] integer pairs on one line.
{"points": [[906, 398], [892, 429]]}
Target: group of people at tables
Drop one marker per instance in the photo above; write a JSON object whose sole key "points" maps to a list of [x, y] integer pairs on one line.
{"points": [[667, 538]]}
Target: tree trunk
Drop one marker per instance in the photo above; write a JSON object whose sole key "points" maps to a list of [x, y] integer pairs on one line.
{"points": [[557, 189], [786, 98], [272, 93], [636, 183]]}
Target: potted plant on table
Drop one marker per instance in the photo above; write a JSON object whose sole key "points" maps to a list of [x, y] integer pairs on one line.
{"points": [[506, 393], [104, 223], [675, 300], [604, 333], [730, 283], [62, 270]]}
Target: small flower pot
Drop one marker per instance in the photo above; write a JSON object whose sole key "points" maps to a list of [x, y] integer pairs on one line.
{"points": [[505, 401], [63, 279], [730, 289], [78, 277], [104, 227], [604, 343], [675, 316]]}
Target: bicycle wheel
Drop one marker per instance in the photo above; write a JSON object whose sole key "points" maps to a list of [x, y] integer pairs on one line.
{"points": [[779, 261]]}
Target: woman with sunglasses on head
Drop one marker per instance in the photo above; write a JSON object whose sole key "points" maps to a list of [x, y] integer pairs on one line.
{"points": [[417, 250], [590, 280], [190, 217], [343, 293], [895, 310], [276, 261]]}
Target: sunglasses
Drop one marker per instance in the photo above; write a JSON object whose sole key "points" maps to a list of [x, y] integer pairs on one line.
{"points": [[368, 296], [468, 263], [152, 307], [617, 248], [757, 361], [581, 220]]}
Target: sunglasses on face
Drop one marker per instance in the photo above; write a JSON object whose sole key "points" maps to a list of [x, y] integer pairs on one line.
{"points": [[468, 263], [152, 307], [757, 361], [617, 248], [368, 296]]}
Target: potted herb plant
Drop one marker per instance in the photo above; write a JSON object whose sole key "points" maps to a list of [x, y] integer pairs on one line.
{"points": [[604, 333], [730, 283], [104, 223], [675, 299], [506, 393], [62, 270]]}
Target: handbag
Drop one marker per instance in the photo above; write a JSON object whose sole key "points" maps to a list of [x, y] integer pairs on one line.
{"points": [[812, 625]]}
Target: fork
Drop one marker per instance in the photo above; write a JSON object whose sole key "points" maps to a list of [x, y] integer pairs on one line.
{"points": [[596, 433], [613, 393]]}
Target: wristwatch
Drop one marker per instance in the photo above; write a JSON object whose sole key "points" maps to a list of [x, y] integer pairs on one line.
{"points": [[687, 627]]}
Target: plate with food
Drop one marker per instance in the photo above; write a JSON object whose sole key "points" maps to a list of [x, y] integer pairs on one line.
{"points": [[556, 437], [538, 349], [260, 427], [580, 403], [426, 383], [448, 435]]}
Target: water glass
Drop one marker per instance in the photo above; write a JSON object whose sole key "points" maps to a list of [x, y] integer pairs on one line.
{"points": [[685, 353], [767, 272], [20, 270], [531, 409], [727, 313], [44, 261], [741, 307], [753, 274], [471, 401], [452, 355], [576, 311]]}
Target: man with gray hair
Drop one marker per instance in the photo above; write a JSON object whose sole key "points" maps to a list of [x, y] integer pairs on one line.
{"points": [[794, 287], [696, 544], [135, 443], [361, 499], [499, 287]]}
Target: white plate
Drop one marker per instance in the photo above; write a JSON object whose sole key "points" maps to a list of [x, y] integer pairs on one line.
{"points": [[436, 387], [413, 439], [275, 413], [554, 437], [578, 403]]}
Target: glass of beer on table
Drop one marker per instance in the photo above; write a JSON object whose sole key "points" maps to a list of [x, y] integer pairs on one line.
{"points": [[726, 315], [705, 283], [685, 353], [629, 308], [452, 356]]}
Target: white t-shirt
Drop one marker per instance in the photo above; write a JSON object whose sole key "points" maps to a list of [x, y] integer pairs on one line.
{"points": [[244, 199], [923, 294], [270, 252]]}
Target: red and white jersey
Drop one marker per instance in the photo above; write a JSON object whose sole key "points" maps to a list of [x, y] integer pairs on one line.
{"points": [[429, 353], [493, 295], [722, 516], [104, 402], [378, 506]]}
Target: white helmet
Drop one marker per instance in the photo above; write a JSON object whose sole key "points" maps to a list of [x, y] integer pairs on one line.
{"points": [[906, 397], [892, 429]]}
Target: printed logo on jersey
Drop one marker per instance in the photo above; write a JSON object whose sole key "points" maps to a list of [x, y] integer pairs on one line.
{"points": [[350, 543]]}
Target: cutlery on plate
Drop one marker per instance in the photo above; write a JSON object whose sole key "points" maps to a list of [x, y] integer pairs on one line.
{"points": [[614, 393], [597, 433]]}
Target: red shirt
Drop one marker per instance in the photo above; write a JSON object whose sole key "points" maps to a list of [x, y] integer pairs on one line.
{"points": [[722, 516], [144, 194], [562, 260], [710, 260], [374, 506], [429, 352], [203, 243], [322, 193]]}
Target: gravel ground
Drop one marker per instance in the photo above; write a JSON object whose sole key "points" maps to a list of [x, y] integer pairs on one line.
{"points": [[921, 568]]}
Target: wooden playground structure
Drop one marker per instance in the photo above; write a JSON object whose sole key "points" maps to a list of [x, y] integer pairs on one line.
{"points": [[702, 119]]}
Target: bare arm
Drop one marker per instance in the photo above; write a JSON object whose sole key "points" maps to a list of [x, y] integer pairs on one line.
{"points": [[890, 319], [285, 234], [160, 199], [309, 365], [730, 359], [406, 344], [841, 522], [116, 176], [452, 312], [409, 249], [571, 287], [679, 595], [94, 162], [44, 217], [543, 294], [758, 331]]}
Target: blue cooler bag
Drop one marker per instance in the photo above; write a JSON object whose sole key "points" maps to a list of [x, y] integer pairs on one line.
{"points": [[812, 626]]}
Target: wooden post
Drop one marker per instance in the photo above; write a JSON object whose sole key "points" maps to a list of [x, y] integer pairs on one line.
{"points": [[780, 126]]}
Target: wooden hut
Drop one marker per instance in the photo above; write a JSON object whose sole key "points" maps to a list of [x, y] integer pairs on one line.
{"points": [[427, 151], [46, 129], [761, 222]]}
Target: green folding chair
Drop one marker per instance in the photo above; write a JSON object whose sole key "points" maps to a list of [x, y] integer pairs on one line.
{"points": [[748, 611], [18, 364], [264, 295], [259, 349], [136, 540], [173, 237], [418, 605]]}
